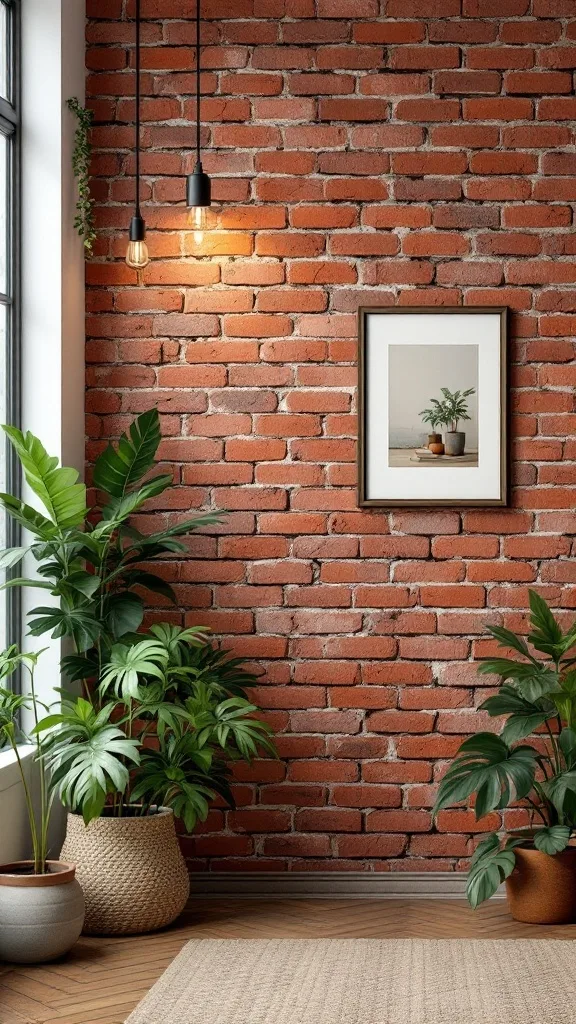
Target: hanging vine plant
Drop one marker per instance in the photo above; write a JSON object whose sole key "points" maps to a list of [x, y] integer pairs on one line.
{"points": [[84, 219]]}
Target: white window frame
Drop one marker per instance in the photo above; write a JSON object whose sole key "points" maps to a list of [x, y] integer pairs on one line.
{"points": [[52, 279]]}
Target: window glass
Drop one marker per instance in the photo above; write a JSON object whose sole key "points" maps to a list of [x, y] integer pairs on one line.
{"points": [[5, 146], [9, 318], [4, 56]]}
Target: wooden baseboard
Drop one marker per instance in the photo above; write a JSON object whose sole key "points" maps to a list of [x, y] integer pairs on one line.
{"points": [[399, 885]]}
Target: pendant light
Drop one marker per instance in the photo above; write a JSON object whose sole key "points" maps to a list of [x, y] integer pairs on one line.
{"points": [[198, 185], [137, 252]]}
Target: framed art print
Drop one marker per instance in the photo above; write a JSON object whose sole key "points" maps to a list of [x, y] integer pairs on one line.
{"points": [[432, 403]]}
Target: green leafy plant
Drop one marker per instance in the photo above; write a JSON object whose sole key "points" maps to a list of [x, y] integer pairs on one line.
{"points": [[433, 416], [536, 693], [11, 707], [81, 155], [449, 410], [162, 711]]}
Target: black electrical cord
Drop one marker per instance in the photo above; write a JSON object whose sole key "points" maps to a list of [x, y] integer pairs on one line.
{"points": [[198, 81], [137, 108]]}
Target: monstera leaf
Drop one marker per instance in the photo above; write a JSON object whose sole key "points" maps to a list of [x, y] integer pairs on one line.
{"points": [[532, 680], [552, 839], [525, 715], [487, 766], [490, 865], [86, 755]]}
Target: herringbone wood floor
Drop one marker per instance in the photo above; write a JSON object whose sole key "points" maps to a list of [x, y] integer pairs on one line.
{"points": [[102, 979]]}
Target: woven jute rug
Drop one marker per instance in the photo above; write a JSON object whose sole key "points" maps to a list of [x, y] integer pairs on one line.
{"points": [[365, 981]]}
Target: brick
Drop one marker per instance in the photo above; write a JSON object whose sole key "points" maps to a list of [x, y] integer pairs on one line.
{"points": [[466, 82], [428, 110], [371, 846], [537, 82], [398, 821], [328, 820], [400, 722], [427, 522]]}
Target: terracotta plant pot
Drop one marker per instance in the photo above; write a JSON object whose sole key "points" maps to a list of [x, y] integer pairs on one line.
{"points": [[437, 448], [131, 869], [41, 916], [434, 439], [542, 888], [454, 441]]}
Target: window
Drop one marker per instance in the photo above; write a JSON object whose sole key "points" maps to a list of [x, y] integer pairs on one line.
{"points": [[9, 281]]}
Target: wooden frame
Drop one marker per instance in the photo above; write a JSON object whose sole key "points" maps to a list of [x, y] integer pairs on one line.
{"points": [[364, 500]]}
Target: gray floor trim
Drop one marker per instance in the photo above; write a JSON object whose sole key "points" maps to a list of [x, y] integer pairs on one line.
{"points": [[437, 885]]}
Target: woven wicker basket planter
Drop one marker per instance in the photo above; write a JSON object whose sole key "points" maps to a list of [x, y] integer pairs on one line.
{"points": [[131, 870]]}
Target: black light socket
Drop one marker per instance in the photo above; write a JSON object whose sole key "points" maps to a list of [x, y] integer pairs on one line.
{"points": [[198, 187], [137, 231]]}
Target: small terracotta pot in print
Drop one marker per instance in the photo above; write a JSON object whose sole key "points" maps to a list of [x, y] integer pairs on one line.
{"points": [[542, 888], [437, 448], [434, 439]]}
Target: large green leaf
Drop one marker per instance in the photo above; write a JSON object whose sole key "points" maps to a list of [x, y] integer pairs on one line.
{"points": [[567, 744], [149, 580], [57, 488], [28, 517], [561, 791], [86, 755], [506, 638], [128, 665], [78, 623], [526, 715], [487, 766], [116, 470], [533, 680], [546, 635], [123, 613], [11, 556], [489, 867], [121, 508], [552, 839]]}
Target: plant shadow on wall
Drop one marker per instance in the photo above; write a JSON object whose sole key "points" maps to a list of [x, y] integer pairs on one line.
{"points": [[162, 711], [538, 694]]}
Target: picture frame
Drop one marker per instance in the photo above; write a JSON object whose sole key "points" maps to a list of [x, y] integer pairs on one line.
{"points": [[405, 353]]}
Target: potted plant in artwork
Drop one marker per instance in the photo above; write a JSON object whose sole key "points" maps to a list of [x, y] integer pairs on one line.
{"points": [[537, 694], [433, 417], [41, 902], [454, 409], [161, 711]]}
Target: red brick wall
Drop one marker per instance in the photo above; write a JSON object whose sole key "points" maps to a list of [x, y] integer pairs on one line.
{"points": [[409, 151]]}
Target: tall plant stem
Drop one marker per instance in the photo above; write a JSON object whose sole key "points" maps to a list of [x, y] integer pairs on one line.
{"points": [[44, 812], [38, 866], [555, 749]]}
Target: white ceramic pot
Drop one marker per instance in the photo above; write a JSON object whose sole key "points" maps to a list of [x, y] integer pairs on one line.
{"points": [[41, 916], [131, 869]]}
